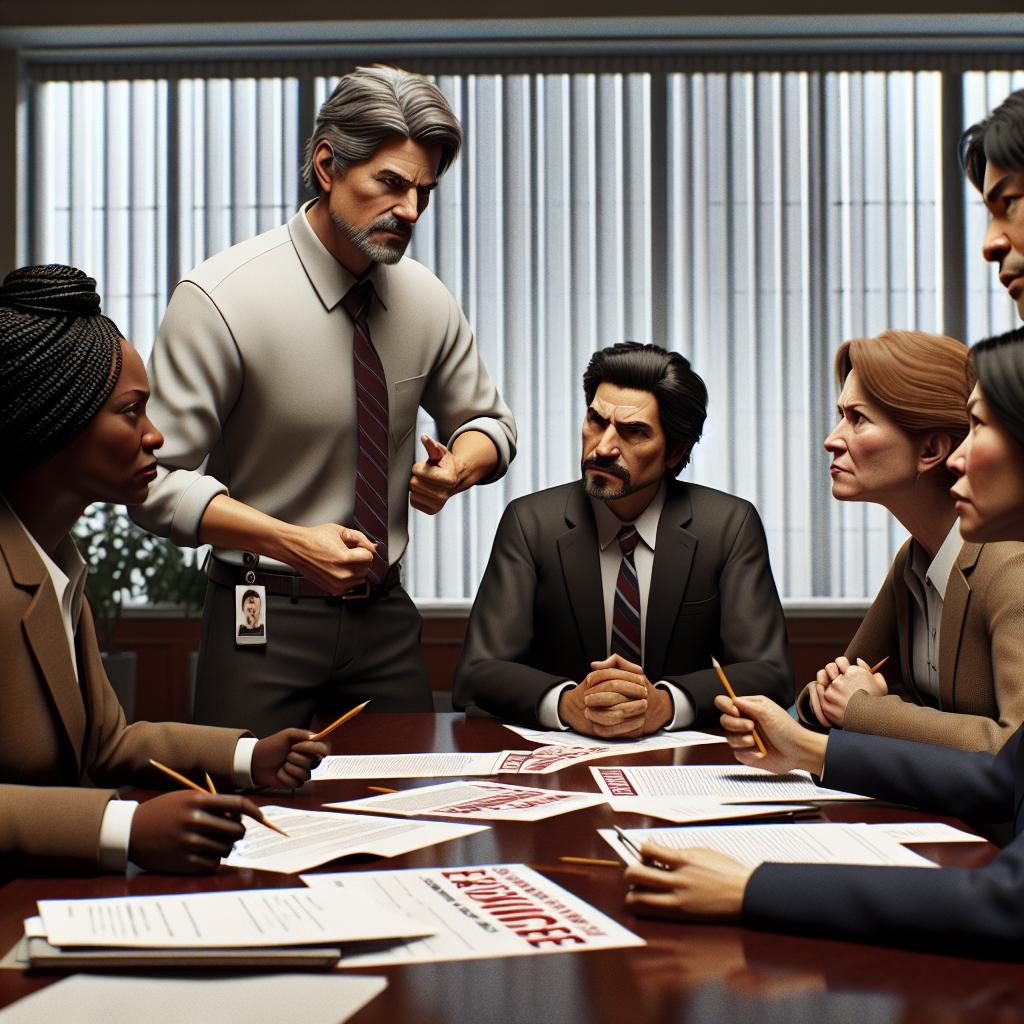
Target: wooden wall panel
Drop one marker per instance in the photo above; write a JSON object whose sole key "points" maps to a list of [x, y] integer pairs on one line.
{"points": [[163, 646]]}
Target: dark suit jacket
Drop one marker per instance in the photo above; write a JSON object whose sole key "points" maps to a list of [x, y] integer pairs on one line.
{"points": [[59, 738], [538, 618], [977, 912]]}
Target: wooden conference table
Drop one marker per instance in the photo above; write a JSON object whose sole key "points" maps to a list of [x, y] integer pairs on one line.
{"points": [[691, 973]]}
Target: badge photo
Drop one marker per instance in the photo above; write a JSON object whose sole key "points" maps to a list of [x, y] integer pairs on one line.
{"points": [[250, 614]]}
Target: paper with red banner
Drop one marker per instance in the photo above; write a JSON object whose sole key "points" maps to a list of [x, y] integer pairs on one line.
{"points": [[486, 801], [541, 761], [489, 910], [734, 783]]}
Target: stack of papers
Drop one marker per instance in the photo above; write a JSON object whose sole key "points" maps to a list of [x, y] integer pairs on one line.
{"points": [[481, 911], [215, 929]]}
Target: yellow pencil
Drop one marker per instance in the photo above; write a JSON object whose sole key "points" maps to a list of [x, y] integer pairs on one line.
{"points": [[595, 862], [732, 696], [189, 784], [381, 789], [340, 721], [874, 668]]}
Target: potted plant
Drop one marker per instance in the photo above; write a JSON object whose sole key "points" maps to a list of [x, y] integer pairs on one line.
{"points": [[126, 562]]}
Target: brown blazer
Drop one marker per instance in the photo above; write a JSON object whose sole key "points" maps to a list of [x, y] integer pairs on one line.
{"points": [[981, 655], [59, 739]]}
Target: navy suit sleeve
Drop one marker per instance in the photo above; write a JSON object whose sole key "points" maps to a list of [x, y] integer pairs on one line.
{"points": [[977, 912], [492, 674]]}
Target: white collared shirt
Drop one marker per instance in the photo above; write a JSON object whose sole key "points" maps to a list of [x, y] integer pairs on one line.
{"points": [[608, 526], [927, 583], [68, 573]]}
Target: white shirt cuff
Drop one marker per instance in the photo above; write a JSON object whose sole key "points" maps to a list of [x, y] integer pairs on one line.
{"points": [[116, 834], [547, 710], [683, 712], [241, 765]]}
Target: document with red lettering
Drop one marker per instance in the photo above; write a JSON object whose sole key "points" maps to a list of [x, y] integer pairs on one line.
{"points": [[540, 761], [489, 910], [733, 783], [487, 801]]}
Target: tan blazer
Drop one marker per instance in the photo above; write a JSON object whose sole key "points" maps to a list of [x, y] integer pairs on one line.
{"points": [[59, 739], [981, 655]]}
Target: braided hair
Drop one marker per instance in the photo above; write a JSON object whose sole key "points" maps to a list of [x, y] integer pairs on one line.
{"points": [[59, 360]]}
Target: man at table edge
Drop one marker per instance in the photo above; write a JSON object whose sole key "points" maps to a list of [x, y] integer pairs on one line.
{"points": [[555, 639]]}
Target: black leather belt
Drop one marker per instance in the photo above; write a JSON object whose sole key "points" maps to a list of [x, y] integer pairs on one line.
{"points": [[286, 584]]}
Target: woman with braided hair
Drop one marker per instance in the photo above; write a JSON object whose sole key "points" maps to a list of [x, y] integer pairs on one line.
{"points": [[74, 430]]}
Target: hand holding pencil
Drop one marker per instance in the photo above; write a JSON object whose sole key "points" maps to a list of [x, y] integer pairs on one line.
{"points": [[787, 744], [286, 759], [188, 831]]}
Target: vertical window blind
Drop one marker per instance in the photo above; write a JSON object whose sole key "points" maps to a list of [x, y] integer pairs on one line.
{"points": [[751, 220]]}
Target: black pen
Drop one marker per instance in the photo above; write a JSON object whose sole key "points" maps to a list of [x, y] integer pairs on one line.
{"points": [[635, 850]]}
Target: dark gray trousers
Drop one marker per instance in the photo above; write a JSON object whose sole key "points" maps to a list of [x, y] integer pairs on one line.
{"points": [[321, 656]]}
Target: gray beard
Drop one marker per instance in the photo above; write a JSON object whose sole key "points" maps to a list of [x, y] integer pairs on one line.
{"points": [[360, 238]]}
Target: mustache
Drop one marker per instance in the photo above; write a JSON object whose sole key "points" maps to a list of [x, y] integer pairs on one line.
{"points": [[607, 465], [389, 222]]}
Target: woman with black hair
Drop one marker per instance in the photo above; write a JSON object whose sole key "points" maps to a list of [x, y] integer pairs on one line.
{"points": [[74, 430]]}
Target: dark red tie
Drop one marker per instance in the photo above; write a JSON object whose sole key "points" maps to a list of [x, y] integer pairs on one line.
{"points": [[626, 612], [371, 508]]}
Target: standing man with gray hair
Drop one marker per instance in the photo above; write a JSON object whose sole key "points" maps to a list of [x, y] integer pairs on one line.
{"points": [[287, 375]]}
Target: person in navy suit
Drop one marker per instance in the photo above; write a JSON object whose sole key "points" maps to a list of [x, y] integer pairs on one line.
{"points": [[973, 912]]}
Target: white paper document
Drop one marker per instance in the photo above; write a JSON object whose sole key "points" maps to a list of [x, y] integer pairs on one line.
{"points": [[657, 741], [249, 917], [315, 837], [684, 810], [723, 782], [541, 761], [824, 843], [255, 999], [924, 832], [488, 801], [478, 912]]}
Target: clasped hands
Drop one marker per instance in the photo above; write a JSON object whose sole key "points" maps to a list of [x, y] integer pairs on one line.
{"points": [[836, 683], [187, 832], [615, 701]]}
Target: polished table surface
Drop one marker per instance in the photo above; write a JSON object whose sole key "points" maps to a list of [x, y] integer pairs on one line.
{"points": [[686, 973]]}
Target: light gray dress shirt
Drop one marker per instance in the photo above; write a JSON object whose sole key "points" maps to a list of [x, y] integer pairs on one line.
{"points": [[253, 387]]}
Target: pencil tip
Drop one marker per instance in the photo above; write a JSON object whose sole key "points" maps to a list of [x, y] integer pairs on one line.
{"points": [[714, 662]]}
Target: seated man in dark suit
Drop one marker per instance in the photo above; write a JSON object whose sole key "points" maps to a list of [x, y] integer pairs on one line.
{"points": [[604, 599]]}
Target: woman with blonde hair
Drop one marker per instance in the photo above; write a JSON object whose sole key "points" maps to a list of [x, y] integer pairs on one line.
{"points": [[949, 617]]}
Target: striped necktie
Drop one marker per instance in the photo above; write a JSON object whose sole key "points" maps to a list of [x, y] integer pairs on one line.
{"points": [[626, 612], [371, 505]]}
